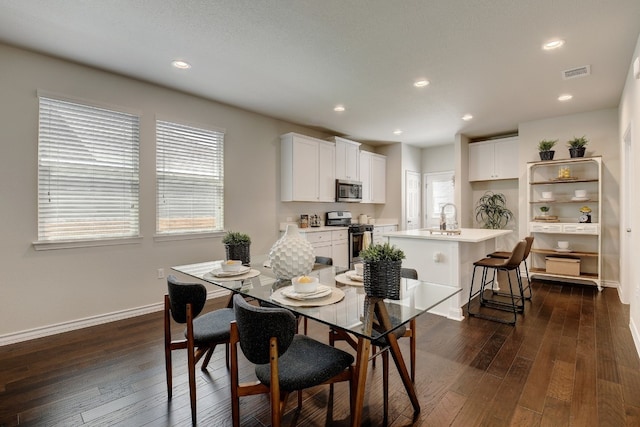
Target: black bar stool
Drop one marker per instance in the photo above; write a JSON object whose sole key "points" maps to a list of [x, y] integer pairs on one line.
{"points": [[506, 255], [516, 302]]}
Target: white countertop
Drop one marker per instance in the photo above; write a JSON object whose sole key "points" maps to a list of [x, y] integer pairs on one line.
{"points": [[471, 235]]}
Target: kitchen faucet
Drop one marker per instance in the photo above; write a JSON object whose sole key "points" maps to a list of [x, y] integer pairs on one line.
{"points": [[443, 216]]}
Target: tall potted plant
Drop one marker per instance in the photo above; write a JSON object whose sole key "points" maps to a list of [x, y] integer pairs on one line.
{"points": [[382, 266], [545, 148], [577, 146], [237, 246], [492, 211]]}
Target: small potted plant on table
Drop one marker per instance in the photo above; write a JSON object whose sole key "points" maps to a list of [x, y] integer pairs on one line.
{"points": [[382, 265], [577, 146], [545, 148], [237, 246]]}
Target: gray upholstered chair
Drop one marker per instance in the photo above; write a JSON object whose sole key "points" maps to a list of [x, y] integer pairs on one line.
{"points": [[183, 303], [285, 361]]}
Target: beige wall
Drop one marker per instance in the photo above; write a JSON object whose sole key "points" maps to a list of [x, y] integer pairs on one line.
{"points": [[440, 158]]}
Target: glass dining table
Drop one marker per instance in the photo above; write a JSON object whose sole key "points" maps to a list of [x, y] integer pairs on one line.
{"points": [[345, 308]]}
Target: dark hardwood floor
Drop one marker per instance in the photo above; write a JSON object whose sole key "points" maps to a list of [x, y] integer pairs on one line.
{"points": [[569, 361]]}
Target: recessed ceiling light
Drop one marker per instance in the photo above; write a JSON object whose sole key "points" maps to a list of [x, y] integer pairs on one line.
{"points": [[397, 132], [181, 64], [339, 108], [553, 44], [467, 117], [565, 97], [421, 83]]}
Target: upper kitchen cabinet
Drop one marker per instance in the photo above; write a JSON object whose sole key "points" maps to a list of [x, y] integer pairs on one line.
{"points": [[373, 174], [347, 158], [492, 160], [307, 171]]}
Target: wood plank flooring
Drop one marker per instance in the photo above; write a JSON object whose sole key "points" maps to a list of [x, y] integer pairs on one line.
{"points": [[569, 361]]}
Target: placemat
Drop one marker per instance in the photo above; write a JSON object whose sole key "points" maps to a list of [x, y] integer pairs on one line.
{"points": [[249, 274], [335, 296], [345, 280]]}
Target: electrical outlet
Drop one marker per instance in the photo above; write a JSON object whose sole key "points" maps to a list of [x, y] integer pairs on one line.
{"points": [[161, 273]]}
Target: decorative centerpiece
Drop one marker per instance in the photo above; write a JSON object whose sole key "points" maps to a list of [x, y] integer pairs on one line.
{"points": [[491, 210], [545, 148], [292, 255], [577, 146], [382, 265], [237, 246]]}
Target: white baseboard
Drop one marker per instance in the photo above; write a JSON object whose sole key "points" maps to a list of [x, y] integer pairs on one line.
{"points": [[635, 335], [100, 319]]}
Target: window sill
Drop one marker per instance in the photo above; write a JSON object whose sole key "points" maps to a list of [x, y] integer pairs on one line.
{"points": [[186, 236], [71, 244]]}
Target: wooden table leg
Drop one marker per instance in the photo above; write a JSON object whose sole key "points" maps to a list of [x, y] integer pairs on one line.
{"points": [[362, 361], [383, 317]]}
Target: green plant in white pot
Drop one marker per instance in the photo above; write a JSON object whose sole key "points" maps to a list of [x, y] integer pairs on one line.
{"points": [[492, 211], [382, 266]]}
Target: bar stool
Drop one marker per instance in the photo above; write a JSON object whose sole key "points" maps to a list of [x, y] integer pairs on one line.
{"points": [[498, 264], [506, 255]]}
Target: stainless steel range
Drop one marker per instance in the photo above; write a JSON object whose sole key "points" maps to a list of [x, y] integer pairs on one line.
{"points": [[356, 232]]}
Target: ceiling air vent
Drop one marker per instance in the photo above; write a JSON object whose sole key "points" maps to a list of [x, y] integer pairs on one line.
{"points": [[577, 72]]}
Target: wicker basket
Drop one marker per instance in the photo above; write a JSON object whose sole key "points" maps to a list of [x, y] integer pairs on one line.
{"points": [[382, 279], [240, 252]]}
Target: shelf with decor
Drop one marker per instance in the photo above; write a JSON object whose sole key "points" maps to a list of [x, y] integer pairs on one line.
{"points": [[564, 199]]}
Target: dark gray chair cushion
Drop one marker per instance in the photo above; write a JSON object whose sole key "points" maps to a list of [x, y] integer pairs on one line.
{"points": [[181, 294], [212, 326]]}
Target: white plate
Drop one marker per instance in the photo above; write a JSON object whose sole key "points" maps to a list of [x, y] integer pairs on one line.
{"points": [[563, 250], [580, 199], [221, 273], [321, 291], [353, 276]]}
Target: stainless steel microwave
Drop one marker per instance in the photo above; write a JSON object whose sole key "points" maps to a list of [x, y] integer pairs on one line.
{"points": [[348, 191]]}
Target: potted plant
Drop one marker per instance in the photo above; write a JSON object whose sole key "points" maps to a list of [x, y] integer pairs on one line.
{"points": [[545, 148], [382, 265], [577, 146], [544, 210], [491, 210], [237, 246]]}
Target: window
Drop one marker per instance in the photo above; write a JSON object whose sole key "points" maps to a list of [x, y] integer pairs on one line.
{"points": [[190, 174], [88, 180]]}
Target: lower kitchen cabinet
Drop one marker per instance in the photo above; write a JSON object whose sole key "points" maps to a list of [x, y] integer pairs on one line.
{"points": [[379, 230], [332, 244]]}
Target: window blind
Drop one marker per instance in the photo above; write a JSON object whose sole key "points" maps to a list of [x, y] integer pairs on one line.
{"points": [[190, 179], [88, 178]]}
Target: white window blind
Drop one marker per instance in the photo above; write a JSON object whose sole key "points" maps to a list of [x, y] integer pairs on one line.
{"points": [[88, 180], [190, 174]]}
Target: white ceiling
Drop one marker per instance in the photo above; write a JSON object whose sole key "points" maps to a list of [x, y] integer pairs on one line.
{"points": [[297, 59]]}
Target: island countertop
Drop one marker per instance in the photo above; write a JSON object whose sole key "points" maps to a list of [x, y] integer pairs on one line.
{"points": [[470, 235]]}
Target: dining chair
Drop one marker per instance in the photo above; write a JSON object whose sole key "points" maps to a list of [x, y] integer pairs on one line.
{"points": [[401, 332], [285, 361], [514, 303], [183, 303], [527, 251]]}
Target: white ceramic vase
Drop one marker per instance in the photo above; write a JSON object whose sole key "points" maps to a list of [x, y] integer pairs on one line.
{"points": [[291, 255]]}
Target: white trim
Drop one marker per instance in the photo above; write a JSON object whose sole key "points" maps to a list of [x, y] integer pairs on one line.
{"points": [[635, 335], [87, 322], [44, 245], [168, 237]]}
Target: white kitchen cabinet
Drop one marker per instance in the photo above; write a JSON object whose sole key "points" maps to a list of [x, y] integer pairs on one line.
{"points": [[373, 175], [561, 222], [307, 171], [321, 242], [340, 247], [493, 160], [379, 230], [347, 158]]}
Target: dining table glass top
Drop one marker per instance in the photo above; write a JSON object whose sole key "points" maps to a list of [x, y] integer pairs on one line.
{"points": [[347, 304]]}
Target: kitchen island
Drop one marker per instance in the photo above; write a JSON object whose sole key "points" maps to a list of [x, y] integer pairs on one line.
{"points": [[446, 259]]}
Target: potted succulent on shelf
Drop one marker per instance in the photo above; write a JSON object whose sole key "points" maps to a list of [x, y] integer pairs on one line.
{"points": [[237, 246], [491, 210], [545, 148], [544, 210], [382, 265], [577, 146]]}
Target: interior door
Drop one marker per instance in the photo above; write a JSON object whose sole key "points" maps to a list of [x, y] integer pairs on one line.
{"points": [[412, 200], [438, 190], [627, 273]]}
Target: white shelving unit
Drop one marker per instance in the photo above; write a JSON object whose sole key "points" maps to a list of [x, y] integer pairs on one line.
{"points": [[563, 221]]}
